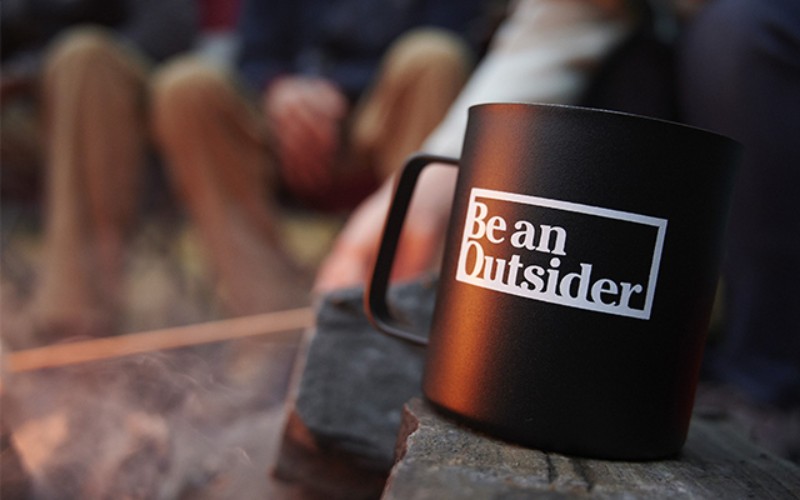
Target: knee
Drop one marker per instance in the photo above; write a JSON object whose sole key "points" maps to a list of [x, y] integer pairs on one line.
{"points": [[81, 49], [430, 50], [186, 83], [182, 91]]}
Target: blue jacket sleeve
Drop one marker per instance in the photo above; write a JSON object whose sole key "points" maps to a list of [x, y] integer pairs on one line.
{"points": [[266, 50], [160, 28], [342, 40]]}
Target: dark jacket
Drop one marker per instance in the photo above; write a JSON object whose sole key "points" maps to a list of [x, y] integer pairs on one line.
{"points": [[342, 40], [159, 28]]}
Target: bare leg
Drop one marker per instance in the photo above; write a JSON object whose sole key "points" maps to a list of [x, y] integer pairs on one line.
{"points": [[92, 96], [215, 147]]}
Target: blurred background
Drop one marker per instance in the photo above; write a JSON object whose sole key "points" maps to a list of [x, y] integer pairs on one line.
{"points": [[170, 164]]}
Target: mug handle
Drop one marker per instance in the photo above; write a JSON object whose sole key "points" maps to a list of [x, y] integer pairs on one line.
{"points": [[375, 304]]}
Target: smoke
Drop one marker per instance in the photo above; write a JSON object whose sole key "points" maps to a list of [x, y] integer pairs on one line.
{"points": [[200, 422]]}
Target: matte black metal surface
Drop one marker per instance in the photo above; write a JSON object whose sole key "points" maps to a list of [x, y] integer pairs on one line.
{"points": [[641, 205]]}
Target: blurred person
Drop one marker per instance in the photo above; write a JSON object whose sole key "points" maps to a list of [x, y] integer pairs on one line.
{"points": [[88, 63], [545, 51], [740, 76], [329, 99]]}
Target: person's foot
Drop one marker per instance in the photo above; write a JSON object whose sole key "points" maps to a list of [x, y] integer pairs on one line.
{"points": [[777, 430]]}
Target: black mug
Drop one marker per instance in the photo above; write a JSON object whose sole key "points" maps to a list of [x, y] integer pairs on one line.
{"points": [[580, 268]]}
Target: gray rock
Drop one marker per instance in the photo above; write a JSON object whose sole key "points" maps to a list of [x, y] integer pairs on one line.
{"points": [[439, 459], [356, 379]]}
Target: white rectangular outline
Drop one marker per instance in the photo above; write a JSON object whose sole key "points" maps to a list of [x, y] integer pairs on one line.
{"points": [[658, 223]]}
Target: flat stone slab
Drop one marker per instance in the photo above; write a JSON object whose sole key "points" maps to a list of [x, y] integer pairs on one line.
{"points": [[341, 431], [356, 379], [439, 459]]}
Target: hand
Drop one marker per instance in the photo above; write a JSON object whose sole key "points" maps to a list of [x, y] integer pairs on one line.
{"points": [[307, 115], [351, 259]]}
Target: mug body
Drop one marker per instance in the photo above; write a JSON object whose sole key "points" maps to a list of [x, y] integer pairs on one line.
{"points": [[580, 268]]}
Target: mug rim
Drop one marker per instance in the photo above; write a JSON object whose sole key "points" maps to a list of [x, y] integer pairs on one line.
{"points": [[604, 111]]}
